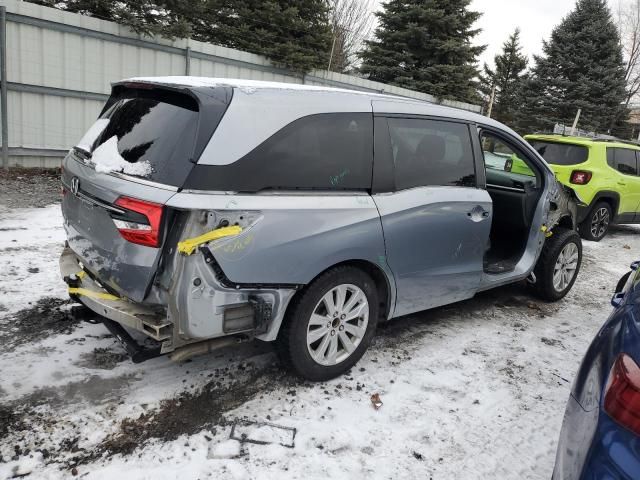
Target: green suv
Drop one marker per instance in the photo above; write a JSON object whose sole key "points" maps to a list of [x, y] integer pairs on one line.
{"points": [[604, 174]]}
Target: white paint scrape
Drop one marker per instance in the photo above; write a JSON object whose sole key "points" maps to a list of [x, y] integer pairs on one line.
{"points": [[107, 159]]}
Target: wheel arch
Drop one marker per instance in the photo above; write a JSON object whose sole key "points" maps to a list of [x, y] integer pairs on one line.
{"points": [[384, 284], [612, 198], [567, 221]]}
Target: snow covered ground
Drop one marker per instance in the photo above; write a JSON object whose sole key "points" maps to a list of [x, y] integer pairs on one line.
{"points": [[473, 391]]}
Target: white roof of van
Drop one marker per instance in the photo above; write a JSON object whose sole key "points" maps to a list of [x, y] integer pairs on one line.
{"points": [[246, 85], [394, 103]]}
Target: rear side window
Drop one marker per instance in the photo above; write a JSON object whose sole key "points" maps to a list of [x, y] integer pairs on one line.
{"points": [[623, 159], [561, 153], [331, 151], [431, 152]]}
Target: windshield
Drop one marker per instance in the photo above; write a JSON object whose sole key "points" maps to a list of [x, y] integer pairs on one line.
{"points": [[561, 153]]}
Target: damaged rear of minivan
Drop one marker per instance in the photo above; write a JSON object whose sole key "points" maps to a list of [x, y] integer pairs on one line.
{"points": [[202, 213], [199, 240]]}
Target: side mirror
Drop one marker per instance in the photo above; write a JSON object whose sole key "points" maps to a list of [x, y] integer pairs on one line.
{"points": [[617, 299]]}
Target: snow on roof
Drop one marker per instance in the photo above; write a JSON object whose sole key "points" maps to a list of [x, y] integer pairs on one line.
{"points": [[247, 86]]}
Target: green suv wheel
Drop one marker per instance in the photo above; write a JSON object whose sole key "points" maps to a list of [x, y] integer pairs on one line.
{"points": [[596, 225]]}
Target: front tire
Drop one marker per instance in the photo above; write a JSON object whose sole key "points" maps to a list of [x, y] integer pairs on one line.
{"points": [[330, 324], [596, 225], [559, 264]]}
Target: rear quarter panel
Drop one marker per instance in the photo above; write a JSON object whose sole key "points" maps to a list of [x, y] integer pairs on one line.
{"points": [[297, 236]]}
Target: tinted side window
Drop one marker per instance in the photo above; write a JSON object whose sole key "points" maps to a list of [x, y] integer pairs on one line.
{"points": [[625, 161], [319, 152], [431, 152]]}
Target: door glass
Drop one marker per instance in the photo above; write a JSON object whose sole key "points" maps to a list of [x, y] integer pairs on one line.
{"points": [[502, 162], [431, 152], [625, 161]]}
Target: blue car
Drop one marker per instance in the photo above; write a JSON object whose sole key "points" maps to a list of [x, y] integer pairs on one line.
{"points": [[600, 437]]}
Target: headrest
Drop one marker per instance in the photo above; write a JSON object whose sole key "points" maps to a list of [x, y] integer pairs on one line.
{"points": [[431, 148]]}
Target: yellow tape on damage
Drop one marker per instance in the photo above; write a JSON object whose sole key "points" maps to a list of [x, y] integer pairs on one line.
{"points": [[90, 293], [188, 246]]}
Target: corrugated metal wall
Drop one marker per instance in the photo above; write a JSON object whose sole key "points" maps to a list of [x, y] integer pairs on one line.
{"points": [[60, 67]]}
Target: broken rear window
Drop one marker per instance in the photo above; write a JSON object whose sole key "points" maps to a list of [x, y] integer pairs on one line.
{"points": [[154, 131], [561, 153]]}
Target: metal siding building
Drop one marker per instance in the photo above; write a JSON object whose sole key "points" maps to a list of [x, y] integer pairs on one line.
{"points": [[60, 67]]}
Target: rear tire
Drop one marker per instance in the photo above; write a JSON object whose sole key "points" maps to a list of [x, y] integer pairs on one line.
{"points": [[559, 264], [330, 324], [595, 227]]}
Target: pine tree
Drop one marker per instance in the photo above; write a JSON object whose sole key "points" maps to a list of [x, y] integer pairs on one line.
{"points": [[293, 34], [507, 78], [425, 45], [142, 16], [581, 68]]}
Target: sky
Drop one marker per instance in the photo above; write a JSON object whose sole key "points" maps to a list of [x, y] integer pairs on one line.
{"points": [[536, 19]]}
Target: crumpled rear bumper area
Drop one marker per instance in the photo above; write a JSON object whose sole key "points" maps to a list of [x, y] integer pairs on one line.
{"points": [[90, 293]]}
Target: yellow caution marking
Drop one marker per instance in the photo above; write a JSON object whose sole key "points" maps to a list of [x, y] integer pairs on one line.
{"points": [[90, 293], [81, 274], [188, 246], [546, 231]]}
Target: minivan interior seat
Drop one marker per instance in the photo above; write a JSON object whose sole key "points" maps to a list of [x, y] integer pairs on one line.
{"points": [[428, 157]]}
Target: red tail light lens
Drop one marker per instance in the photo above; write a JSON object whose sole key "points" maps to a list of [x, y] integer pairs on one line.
{"points": [[580, 177], [133, 229], [622, 395]]}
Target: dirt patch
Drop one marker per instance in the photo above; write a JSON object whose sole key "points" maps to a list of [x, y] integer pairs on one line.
{"points": [[102, 359], [10, 420], [29, 187], [190, 412], [49, 316]]}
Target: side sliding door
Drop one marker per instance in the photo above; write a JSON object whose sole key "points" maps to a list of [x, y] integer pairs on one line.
{"points": [[435, 218]]}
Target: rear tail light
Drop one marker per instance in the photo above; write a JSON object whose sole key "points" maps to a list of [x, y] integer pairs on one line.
{"points": [[141, 222], [580, 177], [622, 395]]}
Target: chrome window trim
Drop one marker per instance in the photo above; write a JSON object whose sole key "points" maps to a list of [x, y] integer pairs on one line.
{"points": [[502, 187]]}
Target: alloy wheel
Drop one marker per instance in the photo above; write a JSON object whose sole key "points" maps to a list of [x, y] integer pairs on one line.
{"points": [[600, 222], [338, 324], [565, 267]]}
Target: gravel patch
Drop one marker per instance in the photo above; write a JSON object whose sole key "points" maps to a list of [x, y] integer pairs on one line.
{"points": [[29, 187]]}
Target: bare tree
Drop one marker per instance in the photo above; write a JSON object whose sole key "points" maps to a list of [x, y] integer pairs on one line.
{"points": [[629, 25], [351, 23]]}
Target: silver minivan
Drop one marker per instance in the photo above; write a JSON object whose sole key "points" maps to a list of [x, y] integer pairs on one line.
{"points": [[206, 212]]}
